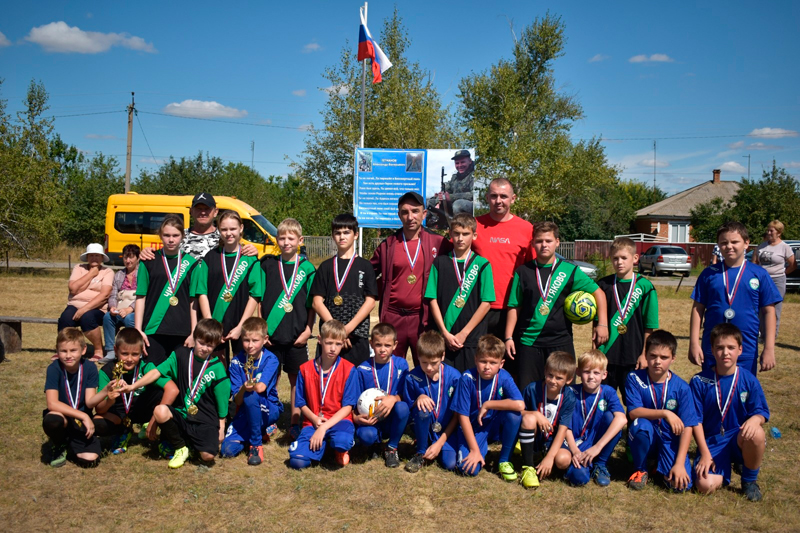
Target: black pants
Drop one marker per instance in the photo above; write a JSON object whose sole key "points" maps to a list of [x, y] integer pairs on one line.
{"points": [[531, 361], [617, 377]]}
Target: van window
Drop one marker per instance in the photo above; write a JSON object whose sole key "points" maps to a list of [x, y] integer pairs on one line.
{"points": [[252, 232], [266, 224], [144, 223]]}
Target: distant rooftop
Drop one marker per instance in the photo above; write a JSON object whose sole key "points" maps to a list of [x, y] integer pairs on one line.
{"points": [[679, 205]]}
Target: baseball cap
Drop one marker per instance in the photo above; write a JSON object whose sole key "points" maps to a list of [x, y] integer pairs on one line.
{"points": [[411, 195], [205, 199], [461, 153]]}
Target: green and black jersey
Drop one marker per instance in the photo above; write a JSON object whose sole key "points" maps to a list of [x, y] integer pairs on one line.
{"points": [[213, 389], [282, 327], [552, 329], [153, 283], [642, 315], [104, 378], [209, 279], [478, 287]]}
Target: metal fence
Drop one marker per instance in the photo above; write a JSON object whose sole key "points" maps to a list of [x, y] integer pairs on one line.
{"points": [[318, 248]]}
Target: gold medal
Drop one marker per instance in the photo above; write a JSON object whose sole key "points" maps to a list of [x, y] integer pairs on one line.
{"points": [[412, 279], [227, 296], [622, 329], [78, 423], [544, 309], [127, 421], [460, 302], [288, 307], [338, 300], [173, 301], [192, 409]]}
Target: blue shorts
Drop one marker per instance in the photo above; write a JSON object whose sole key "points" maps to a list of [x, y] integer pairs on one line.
{"points": [[724, 451], [664, 452], [339, 436]]}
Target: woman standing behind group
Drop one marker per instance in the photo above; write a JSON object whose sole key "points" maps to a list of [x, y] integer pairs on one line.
{"points": [[122, 299], [778, 259]]}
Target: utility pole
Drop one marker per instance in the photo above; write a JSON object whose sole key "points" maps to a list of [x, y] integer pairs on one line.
{"points": [[252, 154], [748, 166], [654, 167], [131, 109]]}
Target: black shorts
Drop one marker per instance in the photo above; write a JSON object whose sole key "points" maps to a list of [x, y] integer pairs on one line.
{"points": [[290, 356], [143, 405], [76, 438], [617, 377], [201, 437], [463, 359], [161, 347], [531, 361]]}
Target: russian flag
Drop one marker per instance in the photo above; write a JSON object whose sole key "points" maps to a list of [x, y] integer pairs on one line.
{"points": [[369, 49]]}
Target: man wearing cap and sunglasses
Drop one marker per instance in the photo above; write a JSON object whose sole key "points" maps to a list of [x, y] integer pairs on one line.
{"points": [[457, 194], [402, 263]]}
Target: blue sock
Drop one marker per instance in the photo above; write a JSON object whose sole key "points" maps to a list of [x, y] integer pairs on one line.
{"points": [[508, 433], [398, 419], [749, 475], [640, 439], [422, 426], [578, 476]]}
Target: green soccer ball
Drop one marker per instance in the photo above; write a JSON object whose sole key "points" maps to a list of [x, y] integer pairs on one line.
{"points": [[580, 307]]}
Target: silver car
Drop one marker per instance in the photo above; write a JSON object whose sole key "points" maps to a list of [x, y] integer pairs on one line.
{"points": [[587, 268], [662, 258]]}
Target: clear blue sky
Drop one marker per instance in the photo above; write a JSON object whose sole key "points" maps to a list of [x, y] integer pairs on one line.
{"points": [[725, 73]]}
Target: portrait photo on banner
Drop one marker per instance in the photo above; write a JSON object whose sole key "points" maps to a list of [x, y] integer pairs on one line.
{"points": [[450, 185]]}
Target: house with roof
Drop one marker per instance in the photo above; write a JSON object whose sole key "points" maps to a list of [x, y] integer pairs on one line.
{"points": [[669, 218]]}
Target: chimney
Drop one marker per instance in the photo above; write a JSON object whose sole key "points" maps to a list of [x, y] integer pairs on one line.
{"points": [[716, 176]]}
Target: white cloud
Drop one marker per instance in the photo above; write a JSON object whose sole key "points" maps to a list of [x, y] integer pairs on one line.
{"points": [[653, 58], [598, 57], [732, 166], [792, 164], [762, 146], [201, 109], [738, 145], [4, 40], [151, 161], [62, 38], [305, 127], [772, 133], [339, 90], [311, 47], [299, 92], [660, 163]]}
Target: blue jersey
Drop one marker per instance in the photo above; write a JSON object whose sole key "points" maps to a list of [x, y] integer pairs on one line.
{"points": [[607, 401], [535, 399], [756, 290], [390, 384], [417, 383], [265, 370], [465, 399], [748, 400], [641, 392]]}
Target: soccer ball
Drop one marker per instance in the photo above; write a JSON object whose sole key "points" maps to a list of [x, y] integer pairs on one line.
{"points": [[367, 401], [580, 307]]}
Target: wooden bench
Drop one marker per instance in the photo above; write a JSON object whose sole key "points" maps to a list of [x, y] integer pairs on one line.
{"points": [[11, 330]]}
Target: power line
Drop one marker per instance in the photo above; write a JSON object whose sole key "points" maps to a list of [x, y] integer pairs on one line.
{"points": [[86, 114], [145, 136], [297, 128]]}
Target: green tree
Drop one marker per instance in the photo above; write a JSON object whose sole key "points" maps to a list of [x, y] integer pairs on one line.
{"points": [[403, 111], [706, 218], [640, 194], [519, 123], [183, 176]]}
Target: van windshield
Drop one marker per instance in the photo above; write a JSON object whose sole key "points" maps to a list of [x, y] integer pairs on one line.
{"points": [[266, 224], [252, 232]]}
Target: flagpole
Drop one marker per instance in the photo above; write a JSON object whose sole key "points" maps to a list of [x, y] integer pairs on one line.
{"points": [[361, 142]]}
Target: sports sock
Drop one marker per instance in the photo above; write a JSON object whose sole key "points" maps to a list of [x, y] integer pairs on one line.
{"points": [[640, 445], [172, 434], [526, 440], [749, 474], [53, 426], [508, 433], [605, 454], [398, 420], [422, 426], [578, 476]]}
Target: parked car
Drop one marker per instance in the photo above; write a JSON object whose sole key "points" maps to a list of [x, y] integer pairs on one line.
{"points": [[793, 279], [587, 268], [662, 258]]}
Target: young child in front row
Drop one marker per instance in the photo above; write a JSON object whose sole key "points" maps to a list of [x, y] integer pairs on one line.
{"points": [[662, 416], [386, 372], [597, 422], [428, 392], [488, 404], [327, 390], [254, 377], [460, 290], [204, 388], [548, 411], [732, 410]]}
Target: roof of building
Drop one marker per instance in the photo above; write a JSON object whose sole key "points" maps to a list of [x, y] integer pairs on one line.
{"points": [[679, 205]]}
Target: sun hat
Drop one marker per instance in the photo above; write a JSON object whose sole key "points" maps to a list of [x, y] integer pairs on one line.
{"points": [[94, 248]]}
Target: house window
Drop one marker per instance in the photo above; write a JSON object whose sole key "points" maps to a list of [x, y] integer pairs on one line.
{"points": [[678, 232]]}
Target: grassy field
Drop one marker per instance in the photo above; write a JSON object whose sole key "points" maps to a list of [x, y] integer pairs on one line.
{"points": [[138, 491]]}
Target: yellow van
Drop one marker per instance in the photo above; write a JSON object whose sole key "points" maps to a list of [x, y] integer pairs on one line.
{"points": [[135, 218]]}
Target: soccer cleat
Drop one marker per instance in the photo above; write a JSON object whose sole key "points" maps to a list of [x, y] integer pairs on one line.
{"points": [[638, 480], [751, 491], [529, 479], [601, 476], [415, 463], [391, 459], [256, 455], [518, 448], [121, 443], [180, 457], [507, 471], [143, 432], [342, 458], [58, 455], [165, 450]]}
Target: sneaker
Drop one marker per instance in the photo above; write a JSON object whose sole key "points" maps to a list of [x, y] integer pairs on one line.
{"points": [[601, 476], [180, 457], [342, 458], [392, 460], [143, 431], [638, 480], [529, 479], [58, 455], [750, 489], [507, 471], [121, 443], [165, 450], [255, 456], [415, 463]]}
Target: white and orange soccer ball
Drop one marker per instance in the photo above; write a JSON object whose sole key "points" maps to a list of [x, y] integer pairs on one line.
{"points": [[368, 401]]}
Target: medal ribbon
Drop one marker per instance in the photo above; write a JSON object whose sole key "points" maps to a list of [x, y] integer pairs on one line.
{"points": [[731, 295], [416, 254], [652, 389], [623, 309], [194, 387], [588, 418], [544, 291], [127, 399], [173, 279], [388, 389], [323, 385], [74, 400], [459, 277], [229, 278], [491, 392], [723, 409], [340, 284], [542, 406], [287, 288], [439, 395]]}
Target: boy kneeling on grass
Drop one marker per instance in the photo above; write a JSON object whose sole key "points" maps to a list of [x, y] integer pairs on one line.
{"points": [[204, 388], [732, 409]]}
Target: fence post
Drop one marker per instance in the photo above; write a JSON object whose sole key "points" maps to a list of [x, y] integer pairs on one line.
{"points": [[69, 262]]}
